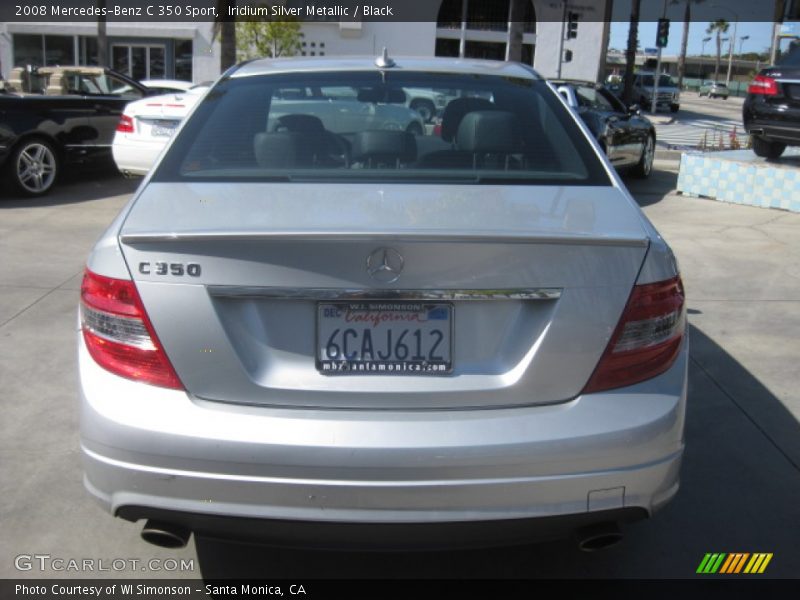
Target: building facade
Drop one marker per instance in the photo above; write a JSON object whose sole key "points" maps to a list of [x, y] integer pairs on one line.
{"points": [[466, 28]]}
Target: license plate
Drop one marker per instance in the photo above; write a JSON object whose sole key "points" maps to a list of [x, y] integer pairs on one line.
{"points": [[164, 130], [384, 338]]}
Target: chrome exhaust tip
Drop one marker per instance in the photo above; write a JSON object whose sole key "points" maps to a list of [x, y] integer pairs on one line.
{"points": [[598, 537], [165, 535]]}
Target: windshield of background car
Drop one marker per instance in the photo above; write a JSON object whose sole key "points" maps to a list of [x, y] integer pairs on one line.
{"points": [[663, 81], [369, 126]]}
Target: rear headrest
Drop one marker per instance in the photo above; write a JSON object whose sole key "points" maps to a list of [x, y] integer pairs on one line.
{"points": [[384, 145], [299, 122], [455, 111], [489, 131], [282, 149]]}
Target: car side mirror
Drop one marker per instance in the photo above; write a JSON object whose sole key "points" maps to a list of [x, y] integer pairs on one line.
{"points": [[634, 109]]}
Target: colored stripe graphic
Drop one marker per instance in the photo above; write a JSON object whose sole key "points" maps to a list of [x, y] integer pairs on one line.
{"points": [[711, 563], [733, 563], [758, 563]]}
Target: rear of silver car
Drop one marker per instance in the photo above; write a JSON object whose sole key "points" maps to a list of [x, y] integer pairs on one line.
{"points": [[296, 357]]}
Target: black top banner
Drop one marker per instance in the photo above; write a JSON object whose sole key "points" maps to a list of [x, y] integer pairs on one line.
{"points": [[375, 10]]}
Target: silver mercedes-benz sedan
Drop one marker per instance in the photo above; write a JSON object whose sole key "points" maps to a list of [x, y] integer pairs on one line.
{"points": [[467, 335]]}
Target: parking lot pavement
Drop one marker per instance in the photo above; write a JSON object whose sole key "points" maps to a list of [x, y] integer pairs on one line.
{"points": [[741, 473]]}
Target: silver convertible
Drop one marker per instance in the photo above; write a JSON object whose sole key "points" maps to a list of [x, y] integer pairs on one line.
{"points": [[308, 335]]}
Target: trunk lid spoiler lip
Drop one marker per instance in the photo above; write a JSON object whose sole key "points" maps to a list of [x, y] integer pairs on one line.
{"points": [[133, 238]]}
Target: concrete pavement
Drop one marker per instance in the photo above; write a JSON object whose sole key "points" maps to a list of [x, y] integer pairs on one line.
{"points": [[741, 475]]}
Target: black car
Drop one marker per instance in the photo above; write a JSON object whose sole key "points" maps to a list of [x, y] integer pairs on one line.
{"points": [[56, 116], [628, 138], [771, 110]]}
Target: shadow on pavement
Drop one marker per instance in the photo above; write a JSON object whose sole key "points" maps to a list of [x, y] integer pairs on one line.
{"points": [[653, 189], [738, 493], [685, 115], [78, 185]]}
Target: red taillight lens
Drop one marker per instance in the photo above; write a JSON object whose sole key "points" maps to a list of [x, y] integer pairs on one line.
{"points": [[118, 334], [766, 86], [125, 124], [647, 339]]}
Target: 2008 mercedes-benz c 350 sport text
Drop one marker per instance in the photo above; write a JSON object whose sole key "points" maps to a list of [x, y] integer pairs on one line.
{"points": [[316, 324]]}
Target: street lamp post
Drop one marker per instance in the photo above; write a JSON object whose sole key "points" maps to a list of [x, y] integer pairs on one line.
{"points": [[702, 58], [741, 43]]}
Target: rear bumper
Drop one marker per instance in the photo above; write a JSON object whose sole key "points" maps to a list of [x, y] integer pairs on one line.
{"points": [[775, 122], [136, 157], [779, 132], [151, 452]]}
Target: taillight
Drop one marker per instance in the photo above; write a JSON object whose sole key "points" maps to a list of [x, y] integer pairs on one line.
{"points": [[125, 124], [118, 333], [766, 86], [647, 339]]}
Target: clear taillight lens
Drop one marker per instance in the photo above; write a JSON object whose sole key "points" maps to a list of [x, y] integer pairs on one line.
{"points": [[647, 339], [118, 334]]}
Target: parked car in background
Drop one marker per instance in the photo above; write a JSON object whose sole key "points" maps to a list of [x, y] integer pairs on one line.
{"points": [[147, 125], [669, 97], [344, 109], [312, 330], [771, 109], [714, 89], [627, 137], [427, 102], [166, 86], [53, 117]]}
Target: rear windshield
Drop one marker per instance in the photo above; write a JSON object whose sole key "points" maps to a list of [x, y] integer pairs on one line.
{"points": [[369, 126], [663, 81]]}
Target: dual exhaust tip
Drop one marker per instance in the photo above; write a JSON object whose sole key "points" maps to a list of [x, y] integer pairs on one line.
{"points": [[589, 539], [165, 535], [598, 537]]}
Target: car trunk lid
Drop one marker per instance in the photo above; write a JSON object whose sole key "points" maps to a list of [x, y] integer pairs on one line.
{"points": [[234, 282]]}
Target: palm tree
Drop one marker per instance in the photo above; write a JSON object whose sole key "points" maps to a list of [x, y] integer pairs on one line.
{"points": [[630, 52], [514, 50], [719, 27], [687, 18], [225, 27], [102, 37]]}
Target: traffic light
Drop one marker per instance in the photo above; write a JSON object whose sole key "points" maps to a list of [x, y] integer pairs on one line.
{"points": [[567, 56], [662, 36], [572, 25]]}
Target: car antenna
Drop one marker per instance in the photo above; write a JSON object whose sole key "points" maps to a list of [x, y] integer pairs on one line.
{"points": [[383, 61]]}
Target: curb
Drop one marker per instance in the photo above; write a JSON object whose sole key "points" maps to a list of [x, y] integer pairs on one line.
{"points": [[665, 154]]}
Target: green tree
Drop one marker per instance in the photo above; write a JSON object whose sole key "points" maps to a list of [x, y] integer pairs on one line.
{"points": [[718, 27], [255, 39]]}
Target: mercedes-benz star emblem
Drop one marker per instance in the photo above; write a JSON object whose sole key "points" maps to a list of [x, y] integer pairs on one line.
{"points": [[385, 265]]}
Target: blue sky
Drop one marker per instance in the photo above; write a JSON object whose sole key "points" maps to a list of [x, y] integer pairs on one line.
{"points": [[759, 32]]}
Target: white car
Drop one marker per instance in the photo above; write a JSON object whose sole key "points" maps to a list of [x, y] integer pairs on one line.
{"points": [[166, 86], [147, 125]]}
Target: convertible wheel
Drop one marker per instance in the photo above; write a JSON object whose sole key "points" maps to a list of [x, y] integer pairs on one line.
{"points": [[645, 166], [34, 167]]}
